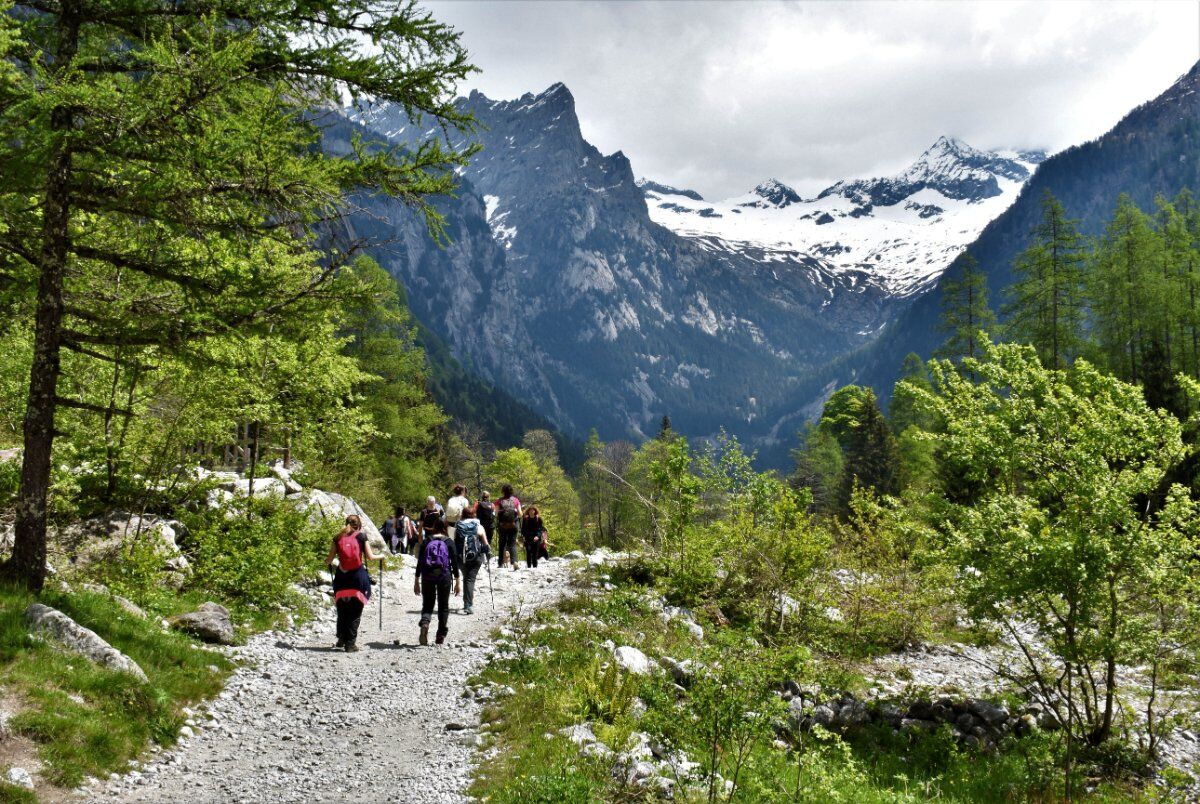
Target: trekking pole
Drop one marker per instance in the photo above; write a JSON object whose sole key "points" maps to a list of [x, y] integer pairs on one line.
{"points": [[381, 594], [487, 562]]}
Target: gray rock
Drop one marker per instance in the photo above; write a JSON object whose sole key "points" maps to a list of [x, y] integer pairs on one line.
{"points": [[854, 713], [682, 672], [596, 751], [580, 733], [210, 623], [632, 660], [574, 555], [56, 627], [19, 777], [992, 714], [824, 715]]}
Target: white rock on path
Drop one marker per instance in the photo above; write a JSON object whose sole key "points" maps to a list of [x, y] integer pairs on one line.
{"points": [[59, 629], [296, 716], [19, 777]]}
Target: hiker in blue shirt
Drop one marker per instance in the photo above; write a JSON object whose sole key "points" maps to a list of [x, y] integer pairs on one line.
{"points": [[437, 560]]}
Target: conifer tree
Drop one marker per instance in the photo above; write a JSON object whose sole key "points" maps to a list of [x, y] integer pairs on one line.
{"points": [[665, 431], [853, 417], [965, 310], [160, 184], [1046, 308], [1128, 291]]}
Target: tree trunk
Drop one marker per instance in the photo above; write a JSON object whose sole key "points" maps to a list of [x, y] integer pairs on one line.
{"points": [[28, 562]]}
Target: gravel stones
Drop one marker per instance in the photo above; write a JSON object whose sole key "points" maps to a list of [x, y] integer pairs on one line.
{"points": [[59, 629], [298, 722]]}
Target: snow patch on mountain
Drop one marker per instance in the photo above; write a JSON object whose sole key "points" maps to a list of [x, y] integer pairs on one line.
{"points": [[897, 233]]}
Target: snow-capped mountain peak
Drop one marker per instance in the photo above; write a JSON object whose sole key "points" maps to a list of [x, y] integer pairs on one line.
{"points": [[897, 232], [775, 193]]}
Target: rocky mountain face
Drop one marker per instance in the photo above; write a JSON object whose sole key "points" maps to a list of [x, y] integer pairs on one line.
{"points": [[559, 287], [1153, 150]]}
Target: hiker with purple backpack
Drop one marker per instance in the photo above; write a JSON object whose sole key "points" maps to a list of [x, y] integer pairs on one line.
{"points": [[437, 561]]}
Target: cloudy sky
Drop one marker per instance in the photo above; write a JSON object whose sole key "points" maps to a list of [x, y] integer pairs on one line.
{"points": [[717, 96]]}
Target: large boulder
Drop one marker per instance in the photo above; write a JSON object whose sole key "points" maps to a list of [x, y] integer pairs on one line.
{"points": [[59, 629], [284, 475], [210, 622], [122, 526], [263, 487], [327, 509]]}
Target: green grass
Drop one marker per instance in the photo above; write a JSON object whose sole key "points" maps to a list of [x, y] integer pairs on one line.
{"points": [[88, 720], [558, 682], [11, 794]]}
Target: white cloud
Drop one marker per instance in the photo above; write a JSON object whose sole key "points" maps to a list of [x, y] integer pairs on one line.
{"points": [[718, 96]]}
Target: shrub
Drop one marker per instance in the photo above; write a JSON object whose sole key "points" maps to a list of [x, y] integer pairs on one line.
{"points": [[252, 554]]}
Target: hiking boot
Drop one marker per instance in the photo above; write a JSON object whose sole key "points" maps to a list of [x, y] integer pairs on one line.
{"points": [[468, 610], [341, 643], [424, 635], [440, 639], [352, 648]]}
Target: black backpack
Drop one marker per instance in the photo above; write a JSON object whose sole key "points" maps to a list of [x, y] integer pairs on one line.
{"points": [[486, 515], [508, 515]]}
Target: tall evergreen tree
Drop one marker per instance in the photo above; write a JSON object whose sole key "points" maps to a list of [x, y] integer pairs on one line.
{"points": [[665, 431], [1046, 308], [853, 417], [965, 310], [159, 183], [1128, 291]]}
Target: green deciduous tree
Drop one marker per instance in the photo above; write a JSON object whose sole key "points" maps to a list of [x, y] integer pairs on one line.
{"points": [[1069, 531], [159, 183], [543, 484]]}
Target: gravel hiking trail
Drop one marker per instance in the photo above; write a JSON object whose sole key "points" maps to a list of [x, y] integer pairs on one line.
{"points": [[300, 722]]}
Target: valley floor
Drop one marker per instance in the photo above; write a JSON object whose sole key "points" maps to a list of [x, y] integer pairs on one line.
{"points": [[300, 722]]}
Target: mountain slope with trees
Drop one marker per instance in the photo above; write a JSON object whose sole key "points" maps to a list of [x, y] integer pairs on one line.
{"points": [[1154, 150]]}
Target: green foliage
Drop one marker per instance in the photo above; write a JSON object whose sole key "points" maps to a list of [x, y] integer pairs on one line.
{"points": [[889, 590], [604, 694], [853, 418], [1066, 527], [399, 461], [254, 553], [820, 468], [540, 483], [161, 201]]}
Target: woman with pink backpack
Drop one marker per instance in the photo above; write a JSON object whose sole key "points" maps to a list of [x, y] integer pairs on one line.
{"points": [[351, 582]]}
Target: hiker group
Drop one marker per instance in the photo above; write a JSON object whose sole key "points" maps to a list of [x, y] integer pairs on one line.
{"points": [[451, 545]]}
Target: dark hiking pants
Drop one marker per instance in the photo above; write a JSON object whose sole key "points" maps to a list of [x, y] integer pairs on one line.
{"points": [[470, 573], [508, 544], [436, 591], [533, 551], [349, 614]]}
